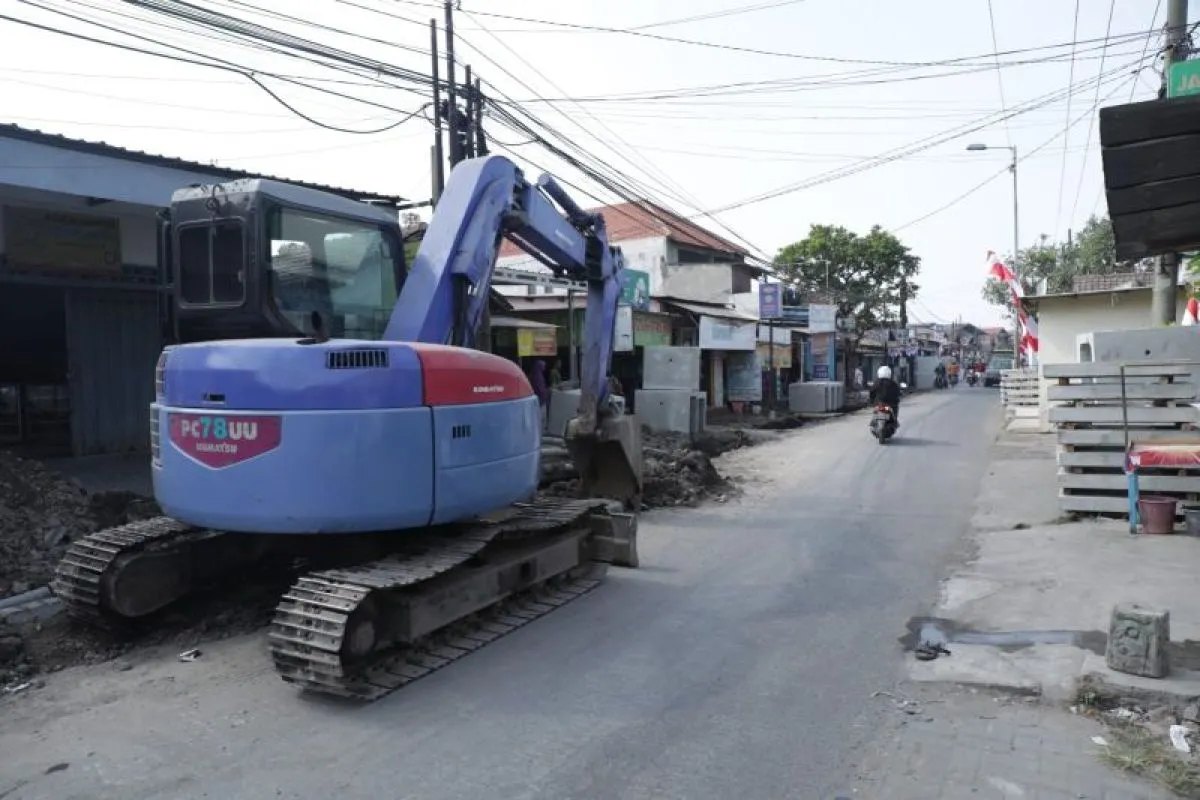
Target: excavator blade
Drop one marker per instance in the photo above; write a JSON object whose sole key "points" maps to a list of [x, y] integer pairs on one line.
{"points": [[609, 459]]}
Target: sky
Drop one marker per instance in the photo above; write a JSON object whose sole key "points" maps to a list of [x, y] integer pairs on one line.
{"points": [[774, 116]]}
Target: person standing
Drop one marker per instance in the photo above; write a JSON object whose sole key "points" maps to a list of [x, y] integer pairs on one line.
{"points": [[537, 379]]}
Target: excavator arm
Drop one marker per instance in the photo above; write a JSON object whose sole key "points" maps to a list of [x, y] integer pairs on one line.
{"points": [[446, 290]]}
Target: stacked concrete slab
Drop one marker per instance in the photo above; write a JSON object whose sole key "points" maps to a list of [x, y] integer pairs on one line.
{"points": [[669, 399], [816, 397]]}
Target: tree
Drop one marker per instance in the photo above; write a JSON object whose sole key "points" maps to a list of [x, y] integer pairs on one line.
{"points": [[1092, 251], [865, 276]]}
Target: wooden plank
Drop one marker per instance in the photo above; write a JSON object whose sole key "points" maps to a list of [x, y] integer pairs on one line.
{"points": [[1133, 391], [1113, 437], [1136, 415], [1114, 459], [1159, 159], [1158, 194], [1189, 484], [1112, 369], [1152, 119], [1155, 232]]}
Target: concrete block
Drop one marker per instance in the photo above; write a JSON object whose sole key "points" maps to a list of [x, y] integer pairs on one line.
{"points": [[1137, 640], [665, 409], [816, 397], [564, 405], [671, 368]]}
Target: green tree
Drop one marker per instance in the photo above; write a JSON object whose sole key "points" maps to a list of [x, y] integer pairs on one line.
{"points": [[1092, 251], [863, 274]]}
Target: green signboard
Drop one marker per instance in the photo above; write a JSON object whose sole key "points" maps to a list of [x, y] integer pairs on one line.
{"points": [[635, 288], [1184, 79]]}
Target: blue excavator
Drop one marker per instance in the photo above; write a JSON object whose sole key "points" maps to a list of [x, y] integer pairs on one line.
{"points": [[331, 408]]}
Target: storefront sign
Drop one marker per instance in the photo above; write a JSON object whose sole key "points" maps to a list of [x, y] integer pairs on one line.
{"points": [[635, 288], [727, 334], [651, 330], [783, 356], [822, 319], [61, 241], [536, 342], [743, 377], [770, 300]]}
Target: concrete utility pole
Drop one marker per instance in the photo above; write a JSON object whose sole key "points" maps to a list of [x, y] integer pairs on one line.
{"points": [[439, 155], [456, 153], [1166, 277], [1016, 256]]}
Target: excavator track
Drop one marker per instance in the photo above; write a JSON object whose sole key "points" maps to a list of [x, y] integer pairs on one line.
{"points": [[316, 635], [80, 575]]}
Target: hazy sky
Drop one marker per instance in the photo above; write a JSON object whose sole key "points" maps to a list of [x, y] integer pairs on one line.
{"points": [[782, 121]]}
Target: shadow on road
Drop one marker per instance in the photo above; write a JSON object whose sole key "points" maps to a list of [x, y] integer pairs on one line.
{"points": [[903, 441]]}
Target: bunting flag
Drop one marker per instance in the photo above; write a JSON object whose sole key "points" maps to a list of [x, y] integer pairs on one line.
{"points": [[1029, 334]]}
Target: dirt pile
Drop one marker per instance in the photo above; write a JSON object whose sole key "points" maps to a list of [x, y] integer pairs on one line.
{"points": [[677, 471], [41, 512]]}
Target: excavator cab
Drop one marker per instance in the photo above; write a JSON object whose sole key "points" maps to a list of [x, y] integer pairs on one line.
{"points": [[257, 258]]}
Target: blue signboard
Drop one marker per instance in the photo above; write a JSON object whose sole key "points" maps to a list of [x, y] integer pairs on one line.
{"points": [[770, 300]]}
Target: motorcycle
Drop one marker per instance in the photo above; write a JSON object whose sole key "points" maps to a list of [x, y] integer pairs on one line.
{"points": [[972, 378], [883, 423]]}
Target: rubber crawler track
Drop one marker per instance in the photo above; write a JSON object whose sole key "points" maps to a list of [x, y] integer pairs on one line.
{"points": [[311, 621], [78, 576]]}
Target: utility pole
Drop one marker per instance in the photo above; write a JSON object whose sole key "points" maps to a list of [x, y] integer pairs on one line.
{"points": [[439, 155], [1166, 277], [456, 153], [481, 148], [468, 132]]}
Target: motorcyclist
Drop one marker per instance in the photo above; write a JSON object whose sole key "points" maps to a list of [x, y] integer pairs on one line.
{"points": [[887, 391]]}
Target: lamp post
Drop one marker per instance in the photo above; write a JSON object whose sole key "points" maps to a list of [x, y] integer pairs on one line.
{"points": [[1016, 231]]}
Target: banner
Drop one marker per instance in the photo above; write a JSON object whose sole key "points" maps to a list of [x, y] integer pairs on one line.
{"points": [[743, 377], [1029, 332], [537, 342], [61, 241]]}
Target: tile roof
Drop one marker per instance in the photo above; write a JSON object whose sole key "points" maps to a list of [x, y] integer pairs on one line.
{"points": [[10, 131], [645, 220]]}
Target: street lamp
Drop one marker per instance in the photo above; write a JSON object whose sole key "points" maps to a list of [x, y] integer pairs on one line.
{"points": [[976, 147]]}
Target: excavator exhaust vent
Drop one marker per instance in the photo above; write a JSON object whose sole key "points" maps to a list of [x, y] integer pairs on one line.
{"points": [[363, 358]]}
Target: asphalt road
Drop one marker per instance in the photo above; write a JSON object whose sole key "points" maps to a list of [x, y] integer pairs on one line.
{"points": [[738, 662]]}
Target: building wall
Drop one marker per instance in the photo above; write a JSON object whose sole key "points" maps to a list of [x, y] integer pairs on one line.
{"points": [[704, 283], [1061, 319]]}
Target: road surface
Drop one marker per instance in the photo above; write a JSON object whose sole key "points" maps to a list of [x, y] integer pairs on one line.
{"points": [[737, 662]]}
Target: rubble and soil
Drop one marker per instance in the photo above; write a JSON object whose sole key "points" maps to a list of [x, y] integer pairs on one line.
{"points": [[42, 512], [677, 469]]}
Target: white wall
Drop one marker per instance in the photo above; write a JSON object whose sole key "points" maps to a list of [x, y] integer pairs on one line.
{"points": [[1060, 319]]}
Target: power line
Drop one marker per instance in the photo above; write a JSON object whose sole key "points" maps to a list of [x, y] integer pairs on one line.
{"points": [[1062, 173], [696, 42], [214, 63], [1090, 114], [1112, 6], [729, 12], [999, 72], [914, 147]]}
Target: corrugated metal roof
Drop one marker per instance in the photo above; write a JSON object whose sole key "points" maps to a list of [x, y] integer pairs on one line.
{"points": [[719, 312], [11, 131]]}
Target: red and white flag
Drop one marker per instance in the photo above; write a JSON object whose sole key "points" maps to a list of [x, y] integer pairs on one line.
{"points": [[1191, 312], [1001, 272]]}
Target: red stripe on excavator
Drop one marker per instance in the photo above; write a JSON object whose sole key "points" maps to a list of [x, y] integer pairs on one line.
{"points": [[456, 376]]}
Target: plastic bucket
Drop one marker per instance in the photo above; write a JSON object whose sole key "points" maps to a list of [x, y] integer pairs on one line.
{"points": [[1157, 513]]}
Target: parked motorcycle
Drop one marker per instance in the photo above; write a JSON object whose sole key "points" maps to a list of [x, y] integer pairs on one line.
{"points": [[883, 423]]}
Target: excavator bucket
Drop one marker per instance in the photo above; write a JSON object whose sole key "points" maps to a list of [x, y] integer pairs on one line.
{"points": [[608, 458]]}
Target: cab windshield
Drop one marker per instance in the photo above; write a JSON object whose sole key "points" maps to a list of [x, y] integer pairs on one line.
{"points": [[345, 269]]}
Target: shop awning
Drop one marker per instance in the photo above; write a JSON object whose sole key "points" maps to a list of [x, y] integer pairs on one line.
{"points": [[516, 322]]}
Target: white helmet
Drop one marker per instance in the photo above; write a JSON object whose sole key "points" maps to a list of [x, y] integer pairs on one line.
{"points": [[884, 373]]}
